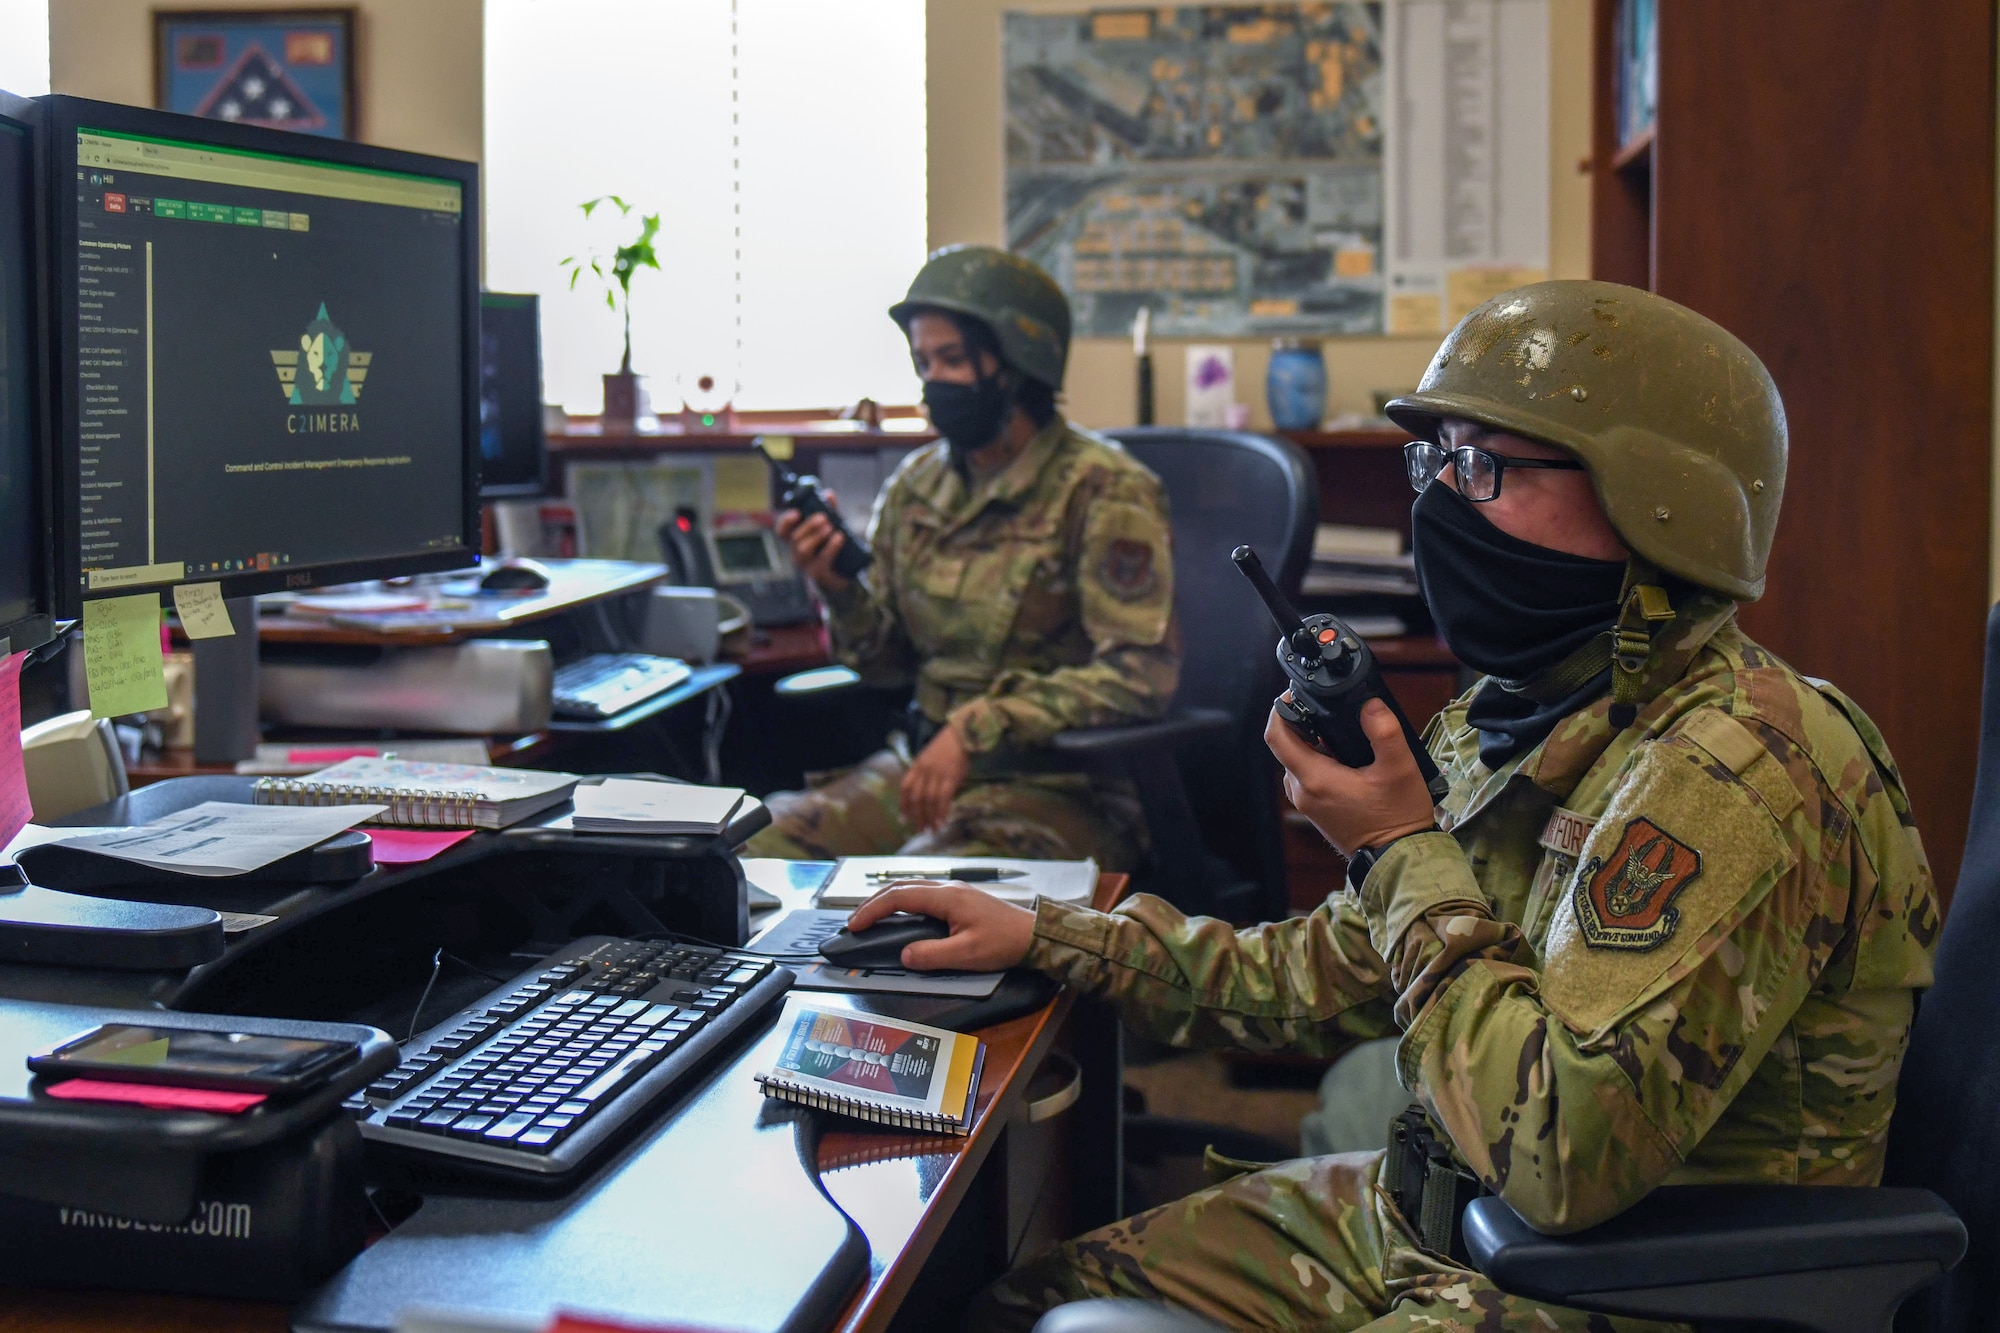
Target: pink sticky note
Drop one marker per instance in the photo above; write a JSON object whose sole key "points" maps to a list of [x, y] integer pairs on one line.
{"points": [[330, 756], [15, 808], [404, 846], [158, 1096]]}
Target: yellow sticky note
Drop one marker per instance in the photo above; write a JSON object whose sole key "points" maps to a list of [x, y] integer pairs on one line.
{"points": [[742, 485], [203, 616], [121, 655]]}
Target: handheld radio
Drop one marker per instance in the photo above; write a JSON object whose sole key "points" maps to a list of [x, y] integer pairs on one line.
{"points": [[1331, 673], [803, 494]]}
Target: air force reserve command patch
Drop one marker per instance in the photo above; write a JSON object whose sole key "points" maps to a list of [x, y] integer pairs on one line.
{"points": [[1624, 900], [1128, 568]]}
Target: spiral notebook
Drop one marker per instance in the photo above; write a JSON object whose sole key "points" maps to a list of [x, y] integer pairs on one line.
{"points": [[426, 795], [878, 1069]]}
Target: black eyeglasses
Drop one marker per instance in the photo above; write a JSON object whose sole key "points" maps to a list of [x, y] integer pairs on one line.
{"points": [[1479, 470]]}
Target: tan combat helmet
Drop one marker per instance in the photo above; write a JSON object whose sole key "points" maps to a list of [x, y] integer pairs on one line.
{"points": [[1028, 313], [1679, 423]]}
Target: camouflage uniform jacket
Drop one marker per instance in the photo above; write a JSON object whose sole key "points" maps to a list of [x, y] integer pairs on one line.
{"points": [[1683, 952], [1038, 600]]}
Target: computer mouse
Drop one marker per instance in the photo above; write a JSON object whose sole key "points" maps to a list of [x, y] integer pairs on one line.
{"points": [[515, 576], [881, 945]]}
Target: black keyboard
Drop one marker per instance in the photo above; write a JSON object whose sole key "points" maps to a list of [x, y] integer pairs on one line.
{"points": [[542, 1074], [608, 683]]}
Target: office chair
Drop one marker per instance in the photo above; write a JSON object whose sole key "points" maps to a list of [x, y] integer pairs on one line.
{"points": [[1204, 776], [72, 762]]}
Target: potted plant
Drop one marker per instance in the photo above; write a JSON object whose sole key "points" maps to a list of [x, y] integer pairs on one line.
{"points": [[624, 398]]}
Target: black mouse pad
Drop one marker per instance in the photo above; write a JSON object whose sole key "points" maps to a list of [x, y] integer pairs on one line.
{"points": [[795, 941]]}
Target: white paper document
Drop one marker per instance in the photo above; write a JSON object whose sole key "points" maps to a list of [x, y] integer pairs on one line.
{"points": [[216, 838], [860, 878], [626, 805]]}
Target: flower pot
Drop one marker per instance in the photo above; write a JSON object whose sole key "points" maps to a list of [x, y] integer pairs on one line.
{"points": [[625, 397]]}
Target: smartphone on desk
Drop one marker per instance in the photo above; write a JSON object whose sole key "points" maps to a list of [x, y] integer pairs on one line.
{"points": [[196, 1058]]}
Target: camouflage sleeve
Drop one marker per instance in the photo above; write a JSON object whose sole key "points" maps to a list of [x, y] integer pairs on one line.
{"points": [[1125, 591], [1676, 955], [1309, 983], [862, 619]]}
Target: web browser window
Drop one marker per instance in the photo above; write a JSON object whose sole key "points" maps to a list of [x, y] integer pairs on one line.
{"points": [[269, 361]]}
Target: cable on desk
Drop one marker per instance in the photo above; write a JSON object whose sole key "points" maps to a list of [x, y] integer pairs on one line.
{"points": [[715, 723], [437, 965]]}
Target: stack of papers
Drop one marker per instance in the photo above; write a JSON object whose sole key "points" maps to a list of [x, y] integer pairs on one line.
{"points": [[627, 805], [1353, 561]]}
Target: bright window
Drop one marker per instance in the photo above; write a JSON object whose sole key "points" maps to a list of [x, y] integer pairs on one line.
{"points": [[24, 47], [782, 144]]}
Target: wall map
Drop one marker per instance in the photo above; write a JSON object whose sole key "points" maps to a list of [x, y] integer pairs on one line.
{"points": [[1222, 165]]}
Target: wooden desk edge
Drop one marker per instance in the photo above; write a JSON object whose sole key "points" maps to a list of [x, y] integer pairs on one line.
{"points": [[875, 1304]]}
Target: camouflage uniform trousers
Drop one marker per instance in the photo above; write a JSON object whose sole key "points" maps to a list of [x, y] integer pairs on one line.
{"points": [[1055, 817], [1311, 1244]]}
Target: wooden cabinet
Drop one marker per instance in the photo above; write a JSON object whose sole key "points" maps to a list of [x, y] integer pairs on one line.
{"points": [[1820, 181]]}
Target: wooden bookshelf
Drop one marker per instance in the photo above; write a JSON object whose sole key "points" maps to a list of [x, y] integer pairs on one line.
{"points": [[1820, 181]]}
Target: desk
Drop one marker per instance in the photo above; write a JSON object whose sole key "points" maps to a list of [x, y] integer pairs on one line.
{"points": [[901, 1205], [572, 584]]}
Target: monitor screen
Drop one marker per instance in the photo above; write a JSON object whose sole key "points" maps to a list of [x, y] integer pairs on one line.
{"points": [[743, 553], [24, 557], [512, 451], [270, 350]]}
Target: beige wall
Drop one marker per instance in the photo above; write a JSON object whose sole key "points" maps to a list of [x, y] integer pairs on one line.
{"points": [[418, 70], [965, 205]]}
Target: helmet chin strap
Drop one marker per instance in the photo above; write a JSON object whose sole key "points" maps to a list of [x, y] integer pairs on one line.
{"points": [[1645, 607]]}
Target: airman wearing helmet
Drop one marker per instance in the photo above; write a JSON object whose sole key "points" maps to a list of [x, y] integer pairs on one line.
{"points": [[1022, 584], [1667, 925]]}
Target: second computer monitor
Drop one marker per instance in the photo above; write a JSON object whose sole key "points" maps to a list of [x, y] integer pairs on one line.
{"points": [[269, 354], [513, 452], [25, 545]]}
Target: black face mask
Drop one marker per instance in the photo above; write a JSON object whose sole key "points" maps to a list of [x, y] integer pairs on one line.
{"points": [[969, 416], [1506, 607]]}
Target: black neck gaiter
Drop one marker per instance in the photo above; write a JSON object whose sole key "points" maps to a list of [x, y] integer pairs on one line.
{"points": [[1506, 607], [1509, 722]]}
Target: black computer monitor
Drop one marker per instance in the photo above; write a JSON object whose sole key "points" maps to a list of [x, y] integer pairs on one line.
{"points": [[268, 354], [26, 546], [513, 453]]}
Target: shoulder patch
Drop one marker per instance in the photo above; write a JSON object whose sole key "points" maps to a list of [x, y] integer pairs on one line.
{"points": [[1682, 855], [1128, 568], [1624, 899]]}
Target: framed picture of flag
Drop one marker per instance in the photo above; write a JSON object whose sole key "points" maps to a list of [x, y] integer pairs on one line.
{"points": [[287, 69]]}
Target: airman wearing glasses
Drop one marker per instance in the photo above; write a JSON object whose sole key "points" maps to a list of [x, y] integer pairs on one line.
{"points": [[1667, 925]]}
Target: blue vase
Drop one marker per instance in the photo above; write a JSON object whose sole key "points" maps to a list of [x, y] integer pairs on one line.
{"points": [[1295, 385]]}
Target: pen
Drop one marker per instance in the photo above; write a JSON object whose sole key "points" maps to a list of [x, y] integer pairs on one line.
{"points": [[970, 874]]}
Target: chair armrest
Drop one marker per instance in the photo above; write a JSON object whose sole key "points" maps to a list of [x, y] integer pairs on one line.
{"points": [[1691, 1235], [1168, 732], [1121, 1316]]}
